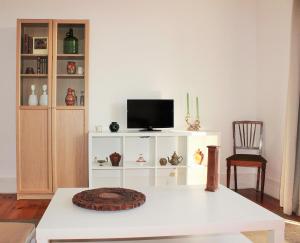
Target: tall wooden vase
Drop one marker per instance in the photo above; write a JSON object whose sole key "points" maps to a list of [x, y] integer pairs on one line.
{"points": [[212, 169]]}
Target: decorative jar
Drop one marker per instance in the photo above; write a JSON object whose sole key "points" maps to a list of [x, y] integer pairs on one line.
{"points": [[114, 127], [70, 98], [70, 43]]}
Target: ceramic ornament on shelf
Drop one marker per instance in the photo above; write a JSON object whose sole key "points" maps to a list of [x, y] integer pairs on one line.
{"points": [[33, 100], [44, 96], [192, 125], [70, 97]]}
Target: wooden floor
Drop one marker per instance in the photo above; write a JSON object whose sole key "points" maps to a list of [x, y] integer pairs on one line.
{"points": [[269, 203], [32, 210], [12, 209]]}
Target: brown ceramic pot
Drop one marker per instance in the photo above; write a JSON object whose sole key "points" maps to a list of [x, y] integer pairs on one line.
{"points": [[70, 98], [115, 159], [163, 161]]}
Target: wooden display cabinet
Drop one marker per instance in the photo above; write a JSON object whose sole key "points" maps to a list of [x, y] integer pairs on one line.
{"points": [[52, 139], [70, 123]]}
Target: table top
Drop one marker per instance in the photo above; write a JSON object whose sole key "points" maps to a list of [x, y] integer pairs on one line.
{"points": [[168, 211]]}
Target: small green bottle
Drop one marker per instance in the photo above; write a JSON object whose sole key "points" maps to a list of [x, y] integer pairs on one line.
{"points": [[70, 43]]}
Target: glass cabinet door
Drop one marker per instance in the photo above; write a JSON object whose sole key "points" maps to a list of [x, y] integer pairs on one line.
{"points": [[34, 63], [70, 65]]}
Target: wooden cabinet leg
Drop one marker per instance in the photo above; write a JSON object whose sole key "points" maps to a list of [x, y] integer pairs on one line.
{"points": [[228, 175], [263, 181], [258, 179], [235, 179]]}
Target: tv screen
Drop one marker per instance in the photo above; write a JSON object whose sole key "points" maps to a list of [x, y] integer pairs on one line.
{"points": [[149, 114]]}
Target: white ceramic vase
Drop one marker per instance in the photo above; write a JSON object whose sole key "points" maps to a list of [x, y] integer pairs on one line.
{"points": [[33, 100], [44, 96]]}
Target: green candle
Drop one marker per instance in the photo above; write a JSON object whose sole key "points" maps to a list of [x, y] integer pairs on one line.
{"points": [[188, 104], [197, 107]]}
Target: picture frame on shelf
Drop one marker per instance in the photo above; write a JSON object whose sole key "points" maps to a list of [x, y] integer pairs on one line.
{"points": [[40, 45]]}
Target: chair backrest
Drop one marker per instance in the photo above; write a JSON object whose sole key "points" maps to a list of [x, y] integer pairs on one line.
{"points": [[247, 135]]}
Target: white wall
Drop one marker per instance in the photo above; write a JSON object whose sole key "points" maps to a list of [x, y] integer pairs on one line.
{"points": [[273, 49], [149, 48]]}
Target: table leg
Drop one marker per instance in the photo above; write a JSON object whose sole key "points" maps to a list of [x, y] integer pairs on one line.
{"points": [[276, 236]]}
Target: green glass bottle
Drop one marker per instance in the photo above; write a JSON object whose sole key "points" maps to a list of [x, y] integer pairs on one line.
{"points": [[70, 43]]}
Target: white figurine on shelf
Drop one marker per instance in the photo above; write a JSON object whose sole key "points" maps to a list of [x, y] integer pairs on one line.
{"points": [[33, 100], [44, 96]]}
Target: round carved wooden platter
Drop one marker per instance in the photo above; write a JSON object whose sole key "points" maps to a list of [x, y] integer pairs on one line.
{"points": [[109, 199]]}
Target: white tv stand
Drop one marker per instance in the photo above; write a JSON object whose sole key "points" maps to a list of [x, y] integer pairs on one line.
{"points": [[152, 146]]}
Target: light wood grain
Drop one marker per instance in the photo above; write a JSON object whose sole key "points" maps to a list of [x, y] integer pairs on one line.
{"points": [[34, 166], [70, 159], [33, 135], [33, 55], [34, 75], [44, 131], [70, 107], [34, 21], [54, 67], [18, 145], [86, 83], [37, 107], [35, 196], [80, 55]]}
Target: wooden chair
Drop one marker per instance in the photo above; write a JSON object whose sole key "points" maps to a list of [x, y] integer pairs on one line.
{"points": [[245, 138]]}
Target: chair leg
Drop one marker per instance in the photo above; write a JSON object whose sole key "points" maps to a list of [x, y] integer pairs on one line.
{"points": [[263, 181], [235, 179], [257, 179], [228, 174]]}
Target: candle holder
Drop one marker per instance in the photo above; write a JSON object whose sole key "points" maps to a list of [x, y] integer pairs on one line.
{"points": [[192, 125]]}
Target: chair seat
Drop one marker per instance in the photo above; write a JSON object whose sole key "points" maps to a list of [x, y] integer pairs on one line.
{"points": [[247, 157]]}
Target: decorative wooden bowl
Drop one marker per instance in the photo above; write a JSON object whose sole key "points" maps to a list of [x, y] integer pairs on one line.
{"points": [[109, 199]]}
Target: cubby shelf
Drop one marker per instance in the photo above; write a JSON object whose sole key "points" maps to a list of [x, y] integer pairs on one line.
{"points": [[172, 166], [152, 146], [96, 166]]}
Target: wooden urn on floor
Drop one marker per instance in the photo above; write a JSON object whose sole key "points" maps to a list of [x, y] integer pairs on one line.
{"points": [[212, 169]]}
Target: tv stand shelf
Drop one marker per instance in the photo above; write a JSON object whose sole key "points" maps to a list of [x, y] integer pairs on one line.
{"points": [[151, 146]]}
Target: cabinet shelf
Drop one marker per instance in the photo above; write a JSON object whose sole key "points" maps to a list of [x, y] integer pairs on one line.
{"points": [[70, 107], [70, 56], [33, 75], [33, 55], [70, 76], [37, 107]]}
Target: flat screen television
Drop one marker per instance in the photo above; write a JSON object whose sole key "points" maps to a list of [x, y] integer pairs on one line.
{"points": [[149, 114]]}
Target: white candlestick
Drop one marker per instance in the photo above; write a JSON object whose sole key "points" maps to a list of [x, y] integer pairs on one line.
{"points": [[188, 104]]}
